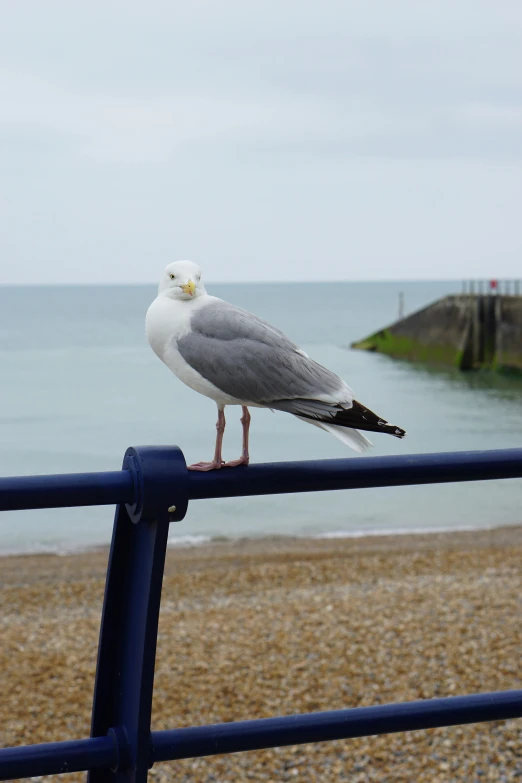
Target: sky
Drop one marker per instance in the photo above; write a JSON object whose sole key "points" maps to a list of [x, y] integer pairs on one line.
{"points": [[296, 140]]}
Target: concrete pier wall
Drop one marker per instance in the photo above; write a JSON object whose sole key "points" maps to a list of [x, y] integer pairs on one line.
{"points": [[465, 331], [509, 336]]}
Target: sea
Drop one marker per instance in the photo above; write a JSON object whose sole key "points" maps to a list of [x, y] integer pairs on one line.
{"points": [[79, 384]]}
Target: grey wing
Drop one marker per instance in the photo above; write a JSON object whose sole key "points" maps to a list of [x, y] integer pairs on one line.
{"points": [[252, 361]]}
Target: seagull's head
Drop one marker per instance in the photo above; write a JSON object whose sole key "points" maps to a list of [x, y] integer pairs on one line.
{"points": [[182, 280]]}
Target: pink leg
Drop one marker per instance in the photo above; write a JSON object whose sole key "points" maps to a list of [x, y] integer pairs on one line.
{"points": [[217, 462], [245, 457]]}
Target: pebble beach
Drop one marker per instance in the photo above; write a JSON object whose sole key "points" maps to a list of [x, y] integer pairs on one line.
{"points": [[254, 628]]}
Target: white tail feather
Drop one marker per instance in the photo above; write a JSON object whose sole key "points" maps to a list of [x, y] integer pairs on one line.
{"points": [[353, 438]]}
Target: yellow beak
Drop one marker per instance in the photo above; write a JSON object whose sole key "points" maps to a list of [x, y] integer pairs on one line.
{"points": [[190, 288]]}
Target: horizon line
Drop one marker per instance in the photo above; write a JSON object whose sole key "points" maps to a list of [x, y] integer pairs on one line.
{"points": [[259, 282]]}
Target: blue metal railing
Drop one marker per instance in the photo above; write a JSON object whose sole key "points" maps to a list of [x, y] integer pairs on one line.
{"points": [[153, 489]]}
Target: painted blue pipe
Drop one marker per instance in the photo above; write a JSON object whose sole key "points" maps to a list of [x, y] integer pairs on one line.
{"points": [[53, 758], [66, 489], [102, 752], [113, 487], [356, 473], [334, 725]]}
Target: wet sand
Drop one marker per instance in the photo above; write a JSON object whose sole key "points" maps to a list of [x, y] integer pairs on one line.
{"points": [[278, 626]]}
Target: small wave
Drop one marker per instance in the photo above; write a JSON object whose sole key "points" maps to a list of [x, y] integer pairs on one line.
{"points": [[397, 531], [181, 541], [61, 550]]}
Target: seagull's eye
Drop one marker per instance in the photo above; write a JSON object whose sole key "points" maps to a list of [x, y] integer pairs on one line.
{"points": [[172, 276]]}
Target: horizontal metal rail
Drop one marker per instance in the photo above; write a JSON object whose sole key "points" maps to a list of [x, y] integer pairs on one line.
{"points": [[197, 741], [357, 473], [334, 725], [92, 489], [53, 758], [66, 490]]}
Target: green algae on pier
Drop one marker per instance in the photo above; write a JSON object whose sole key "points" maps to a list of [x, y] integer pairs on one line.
{"points": [[404, 347]]}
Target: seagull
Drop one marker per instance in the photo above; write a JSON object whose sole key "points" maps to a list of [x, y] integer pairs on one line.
{"points": [[235, 358]]}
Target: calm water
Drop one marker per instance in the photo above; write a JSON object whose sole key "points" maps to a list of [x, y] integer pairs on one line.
{"points": [[79, 384]]}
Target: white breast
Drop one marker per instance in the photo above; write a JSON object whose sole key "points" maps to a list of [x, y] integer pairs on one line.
{"points": [[166, 322]]}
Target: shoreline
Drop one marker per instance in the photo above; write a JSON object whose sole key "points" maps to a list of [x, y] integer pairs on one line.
{"points": [[201, 542]]}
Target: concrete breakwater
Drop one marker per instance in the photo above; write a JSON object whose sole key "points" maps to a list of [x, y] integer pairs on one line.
{"points": [[467, 331]]}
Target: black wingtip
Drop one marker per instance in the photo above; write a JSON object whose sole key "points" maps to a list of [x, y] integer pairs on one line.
{"points": [[389, 429], [362, 418]]}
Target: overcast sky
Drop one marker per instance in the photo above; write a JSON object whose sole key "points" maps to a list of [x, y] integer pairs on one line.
{"points": [[273, 140]]}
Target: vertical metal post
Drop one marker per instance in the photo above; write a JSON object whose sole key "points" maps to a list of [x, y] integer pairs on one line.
{"points": [[127, 647], [498, 332], [476, 332], [401, 305]]}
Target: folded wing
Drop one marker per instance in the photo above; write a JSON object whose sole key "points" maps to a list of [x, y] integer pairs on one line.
{"points": [[248, 359]]}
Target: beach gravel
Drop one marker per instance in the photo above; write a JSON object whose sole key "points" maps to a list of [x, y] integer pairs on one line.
{"points": [[251, 629]]}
